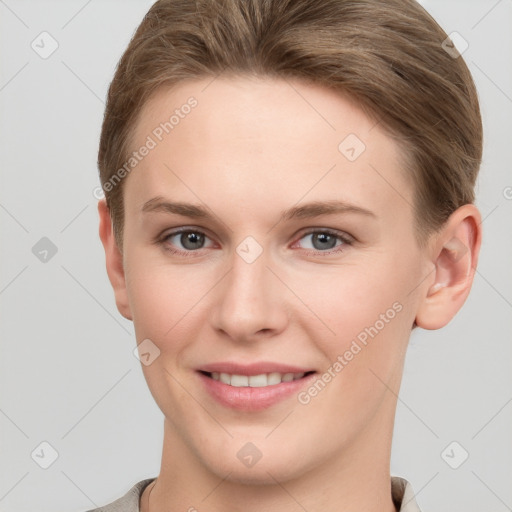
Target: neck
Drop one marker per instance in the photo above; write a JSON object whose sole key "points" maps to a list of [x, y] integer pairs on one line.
{"points": [[356, 480]]}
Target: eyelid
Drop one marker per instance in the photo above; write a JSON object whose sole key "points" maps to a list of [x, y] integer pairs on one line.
{"points": [[182, 229], [342, 235]]}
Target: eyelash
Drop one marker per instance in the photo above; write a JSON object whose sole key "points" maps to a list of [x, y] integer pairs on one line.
{"points": [[345, 238]]}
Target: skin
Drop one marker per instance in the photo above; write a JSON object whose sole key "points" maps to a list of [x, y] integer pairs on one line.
{"points": [[252, 148]]}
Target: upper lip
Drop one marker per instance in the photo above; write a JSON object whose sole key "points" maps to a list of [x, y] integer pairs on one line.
{"points": [[252, 369]]}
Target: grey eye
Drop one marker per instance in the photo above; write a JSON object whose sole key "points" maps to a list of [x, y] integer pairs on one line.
{"points": [[321, 241], [189, 240]]}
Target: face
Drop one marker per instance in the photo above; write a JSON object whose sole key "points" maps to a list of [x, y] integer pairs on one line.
{"points": [[270, 258]]}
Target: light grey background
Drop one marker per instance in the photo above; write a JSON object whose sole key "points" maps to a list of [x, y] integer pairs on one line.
{"points": [[68, 374]]}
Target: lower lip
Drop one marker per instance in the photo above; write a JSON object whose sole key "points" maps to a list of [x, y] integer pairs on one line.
{"points": [[252, 399]]}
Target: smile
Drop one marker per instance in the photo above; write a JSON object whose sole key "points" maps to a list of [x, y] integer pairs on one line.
{"points": [[255, 381], [255, 387]]}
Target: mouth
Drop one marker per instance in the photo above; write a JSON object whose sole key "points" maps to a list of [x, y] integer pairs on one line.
{"points": [[255, 387], [261, 380]]}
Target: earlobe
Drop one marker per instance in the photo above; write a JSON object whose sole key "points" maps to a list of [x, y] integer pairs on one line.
{"points": [[114, 260], [455, 256]]}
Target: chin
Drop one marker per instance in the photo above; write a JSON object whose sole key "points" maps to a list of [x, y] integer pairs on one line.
{"points": [[261, 474], [245, 463]]}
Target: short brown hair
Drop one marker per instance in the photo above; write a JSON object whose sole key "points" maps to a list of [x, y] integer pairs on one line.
{"points": [[388, 55]]}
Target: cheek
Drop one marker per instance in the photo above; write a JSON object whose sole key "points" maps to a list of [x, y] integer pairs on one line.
{"points": [[365, 309], [160, 300], [370, 317], [153, 304], [164, 309], [168, 303]]}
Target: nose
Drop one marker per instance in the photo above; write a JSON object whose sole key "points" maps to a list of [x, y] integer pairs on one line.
{"points": [[250, 301]]}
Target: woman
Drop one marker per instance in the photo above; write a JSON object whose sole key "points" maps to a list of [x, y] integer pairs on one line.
{"points": [[289, 192]]}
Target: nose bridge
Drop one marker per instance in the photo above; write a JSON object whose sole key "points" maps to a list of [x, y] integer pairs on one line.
{"points": [[249, 301]]}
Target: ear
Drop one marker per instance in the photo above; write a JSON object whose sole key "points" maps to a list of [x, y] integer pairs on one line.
{"points": [[114, 260], [454, 253]]}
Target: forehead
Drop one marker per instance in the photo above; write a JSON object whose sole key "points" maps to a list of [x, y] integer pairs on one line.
{"points": [[271, 141]]}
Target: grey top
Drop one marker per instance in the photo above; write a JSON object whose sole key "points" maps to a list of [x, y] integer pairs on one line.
{"points": [[401, 490]]}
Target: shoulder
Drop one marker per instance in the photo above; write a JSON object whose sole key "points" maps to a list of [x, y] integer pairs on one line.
{"points": [[127, 503], [403, 495]]}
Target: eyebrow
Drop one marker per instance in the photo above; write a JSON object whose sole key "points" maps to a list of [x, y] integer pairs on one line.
{"points": [[308, 210]]}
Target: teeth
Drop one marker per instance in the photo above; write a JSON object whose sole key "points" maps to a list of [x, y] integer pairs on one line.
{"points": [[255, 381], [273, 378], [239, 381]]}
